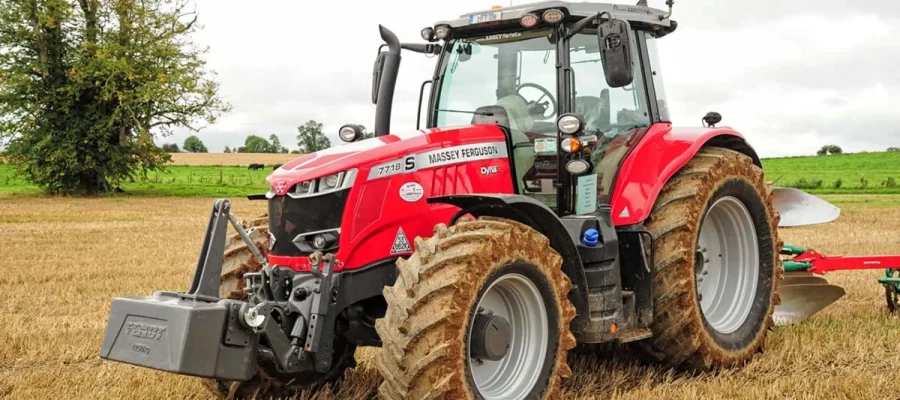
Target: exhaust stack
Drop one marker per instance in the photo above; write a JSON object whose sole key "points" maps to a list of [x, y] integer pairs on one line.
{"points": [[388, 82]]}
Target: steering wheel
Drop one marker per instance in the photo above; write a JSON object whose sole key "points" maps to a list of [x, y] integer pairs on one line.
{"points": [[536, 108]]}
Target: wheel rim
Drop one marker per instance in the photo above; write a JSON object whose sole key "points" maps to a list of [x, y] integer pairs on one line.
{"points": [[727, 265], [517, 299]]}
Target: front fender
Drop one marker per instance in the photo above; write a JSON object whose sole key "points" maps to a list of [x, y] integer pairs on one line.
{"points": [[659, 155], [538, 216]]}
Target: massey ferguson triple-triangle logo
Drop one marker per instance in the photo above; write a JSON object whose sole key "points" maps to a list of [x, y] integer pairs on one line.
{"points": [[401, 243]]}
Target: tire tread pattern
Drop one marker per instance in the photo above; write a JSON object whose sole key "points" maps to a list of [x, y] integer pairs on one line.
{"points": [[680, 338], [424, 329]]}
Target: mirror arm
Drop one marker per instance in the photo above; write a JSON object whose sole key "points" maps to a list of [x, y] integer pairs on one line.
{"points": [[669, 3], [428, 48], [581, 24], [584, 22]]}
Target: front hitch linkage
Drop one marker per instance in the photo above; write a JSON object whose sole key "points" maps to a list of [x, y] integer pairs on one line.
{"points": [[313, 336], [208, 274]]}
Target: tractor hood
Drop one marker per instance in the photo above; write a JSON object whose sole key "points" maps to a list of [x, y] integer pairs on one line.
{"points": [[325, 162], [364, 154]]}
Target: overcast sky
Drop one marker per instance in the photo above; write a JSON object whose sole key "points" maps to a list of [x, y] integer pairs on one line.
{"points": [[790, 75]]}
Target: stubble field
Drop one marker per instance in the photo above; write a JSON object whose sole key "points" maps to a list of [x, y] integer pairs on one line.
{"points": [[63, 260]]}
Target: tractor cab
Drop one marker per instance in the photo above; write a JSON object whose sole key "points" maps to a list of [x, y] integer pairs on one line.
{"points": [[570, 83]]}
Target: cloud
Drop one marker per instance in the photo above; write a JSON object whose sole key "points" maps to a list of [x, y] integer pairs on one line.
{"points": [[791, 76], [792, 83]]}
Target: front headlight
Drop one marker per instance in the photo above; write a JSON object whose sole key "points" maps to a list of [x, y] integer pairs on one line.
{"points": [[569, 124], [323, 185], [331, 181], [304, 187]]}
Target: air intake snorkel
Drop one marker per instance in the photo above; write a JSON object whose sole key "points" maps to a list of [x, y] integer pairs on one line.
{"points": [[387, 66]]}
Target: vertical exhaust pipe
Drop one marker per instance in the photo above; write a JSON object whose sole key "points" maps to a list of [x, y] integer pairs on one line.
{"points": [[388, 82]]}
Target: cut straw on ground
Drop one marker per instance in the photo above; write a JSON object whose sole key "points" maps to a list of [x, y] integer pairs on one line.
{"points": [[63, 261]]}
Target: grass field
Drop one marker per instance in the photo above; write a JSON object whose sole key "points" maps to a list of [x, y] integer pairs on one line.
{"points": [[845, 173], [189, 174], [219, 174], [176, 180], [65, 259]]}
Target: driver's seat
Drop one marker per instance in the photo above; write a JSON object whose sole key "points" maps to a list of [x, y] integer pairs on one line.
{"points": [[512, 112], [520, 120], [595, 111]]}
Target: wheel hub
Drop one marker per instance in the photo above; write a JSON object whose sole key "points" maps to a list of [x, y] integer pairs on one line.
{"points": [[510, 331], [491, 337], [726, 265]]}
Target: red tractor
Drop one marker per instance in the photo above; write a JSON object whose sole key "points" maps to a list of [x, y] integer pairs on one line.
{"points": [[549, 202]]}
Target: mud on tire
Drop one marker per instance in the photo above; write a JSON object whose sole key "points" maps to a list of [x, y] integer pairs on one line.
{"points": [[683, 335], [239, 260], [431, 305]]}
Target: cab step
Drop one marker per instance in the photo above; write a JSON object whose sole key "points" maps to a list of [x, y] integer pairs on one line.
{"points": [[633, 335], [612, 320], [607, 315]]}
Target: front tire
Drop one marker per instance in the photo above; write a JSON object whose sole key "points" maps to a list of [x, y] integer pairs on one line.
{"points": [[454, 281], [716, 264]]}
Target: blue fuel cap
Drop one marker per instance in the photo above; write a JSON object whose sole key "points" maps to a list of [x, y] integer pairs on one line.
{"points": [[590, 238]]}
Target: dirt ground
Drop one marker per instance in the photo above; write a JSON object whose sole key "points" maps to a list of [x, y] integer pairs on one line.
{"points": [[62, 261]]}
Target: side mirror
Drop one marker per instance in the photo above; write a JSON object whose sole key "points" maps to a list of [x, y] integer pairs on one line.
{"points": [[376, 74], [615, 52]]}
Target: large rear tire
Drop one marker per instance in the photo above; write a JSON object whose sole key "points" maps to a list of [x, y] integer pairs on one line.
{"points": [[266, 384], [716, 263], [459, 278]]}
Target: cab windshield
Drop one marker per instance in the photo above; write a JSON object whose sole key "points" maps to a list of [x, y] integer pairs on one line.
{"points": [[518, 72]]}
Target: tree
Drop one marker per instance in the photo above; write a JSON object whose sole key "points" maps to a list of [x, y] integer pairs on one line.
{"points": [[255, 144], [893, 149], [227, 150], [85, 86], [830, 149], [366, 134], [170, 148], [193, 145], [311, 138], [275, 145]]}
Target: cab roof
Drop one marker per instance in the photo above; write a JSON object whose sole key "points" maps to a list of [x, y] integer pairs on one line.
{"points": [[642, 15]]}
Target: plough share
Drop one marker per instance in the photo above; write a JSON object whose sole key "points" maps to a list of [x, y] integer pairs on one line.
{"points": [[802, 280]]}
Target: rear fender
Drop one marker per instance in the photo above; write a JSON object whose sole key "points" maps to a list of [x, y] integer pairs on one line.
{"points": [[659, 155], [538, 216]]}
